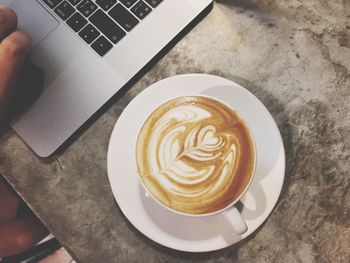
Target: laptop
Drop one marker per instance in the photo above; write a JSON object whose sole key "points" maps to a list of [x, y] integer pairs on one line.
{"points": [[90, 49]]}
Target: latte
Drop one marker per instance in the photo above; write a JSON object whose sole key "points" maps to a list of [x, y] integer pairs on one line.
{"points": [[195, 155]]}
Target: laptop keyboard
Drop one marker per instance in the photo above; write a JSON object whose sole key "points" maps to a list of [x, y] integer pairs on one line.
{"points": [[102, 23]]}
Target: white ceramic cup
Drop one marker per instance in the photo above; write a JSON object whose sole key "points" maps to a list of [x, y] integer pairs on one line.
{"points": [[230, 212]]}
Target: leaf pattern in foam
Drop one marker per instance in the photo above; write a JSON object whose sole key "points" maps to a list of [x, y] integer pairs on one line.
{"points": [[200, 145]]}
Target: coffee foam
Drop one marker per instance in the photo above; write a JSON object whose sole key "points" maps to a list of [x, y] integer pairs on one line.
{"points": [[195, 154]]}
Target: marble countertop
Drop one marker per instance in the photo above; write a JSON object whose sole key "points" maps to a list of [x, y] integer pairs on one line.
{"points": [[294, 55]]}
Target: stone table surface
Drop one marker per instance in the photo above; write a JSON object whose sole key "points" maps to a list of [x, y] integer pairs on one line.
{"points": [[294, 55]]}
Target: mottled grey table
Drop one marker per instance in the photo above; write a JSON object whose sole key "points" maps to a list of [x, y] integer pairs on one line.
{"points": [[294, 55]]}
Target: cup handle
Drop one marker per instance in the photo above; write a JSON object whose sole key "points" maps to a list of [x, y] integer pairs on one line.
{"points": [[234, 217]]}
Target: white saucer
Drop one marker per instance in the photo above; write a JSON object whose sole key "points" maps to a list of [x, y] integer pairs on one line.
{"points": [[180, 232]]}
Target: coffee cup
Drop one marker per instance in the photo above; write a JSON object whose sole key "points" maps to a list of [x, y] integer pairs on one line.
{"points": [[196, 157]]}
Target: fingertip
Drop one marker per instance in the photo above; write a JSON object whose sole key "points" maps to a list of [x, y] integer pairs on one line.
{"points": [[35, 231], [16, 44], [24, 241], [19, 235]]}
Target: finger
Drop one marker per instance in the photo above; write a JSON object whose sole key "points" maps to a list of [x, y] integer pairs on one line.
{"points": [[19, 235], [9, 203], [13, 51], [8, 21]]}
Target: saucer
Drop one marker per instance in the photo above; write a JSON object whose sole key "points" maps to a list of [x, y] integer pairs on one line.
{"points": [[179, 232]]}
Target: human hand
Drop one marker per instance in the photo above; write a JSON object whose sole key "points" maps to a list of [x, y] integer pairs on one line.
{"points": [[16, 235]]}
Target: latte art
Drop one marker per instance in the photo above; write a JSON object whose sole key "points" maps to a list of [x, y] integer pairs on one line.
{"points": [[195, 155]]}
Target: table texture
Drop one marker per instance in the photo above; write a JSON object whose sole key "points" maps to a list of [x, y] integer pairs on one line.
{"points": [[294, 55]]}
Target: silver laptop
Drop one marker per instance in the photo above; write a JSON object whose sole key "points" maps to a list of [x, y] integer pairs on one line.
{"points": [[89, 49]]}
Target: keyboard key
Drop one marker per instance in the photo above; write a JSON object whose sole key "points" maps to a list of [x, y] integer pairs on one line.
{"points": [[64, 10], [101, 46], [87, 7], [107, 26], [89, 33], [77, 22], [52, 3], [153, 3], [123, 17], [74, 2], [128, 3], [106, 4], [141, 9]]}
